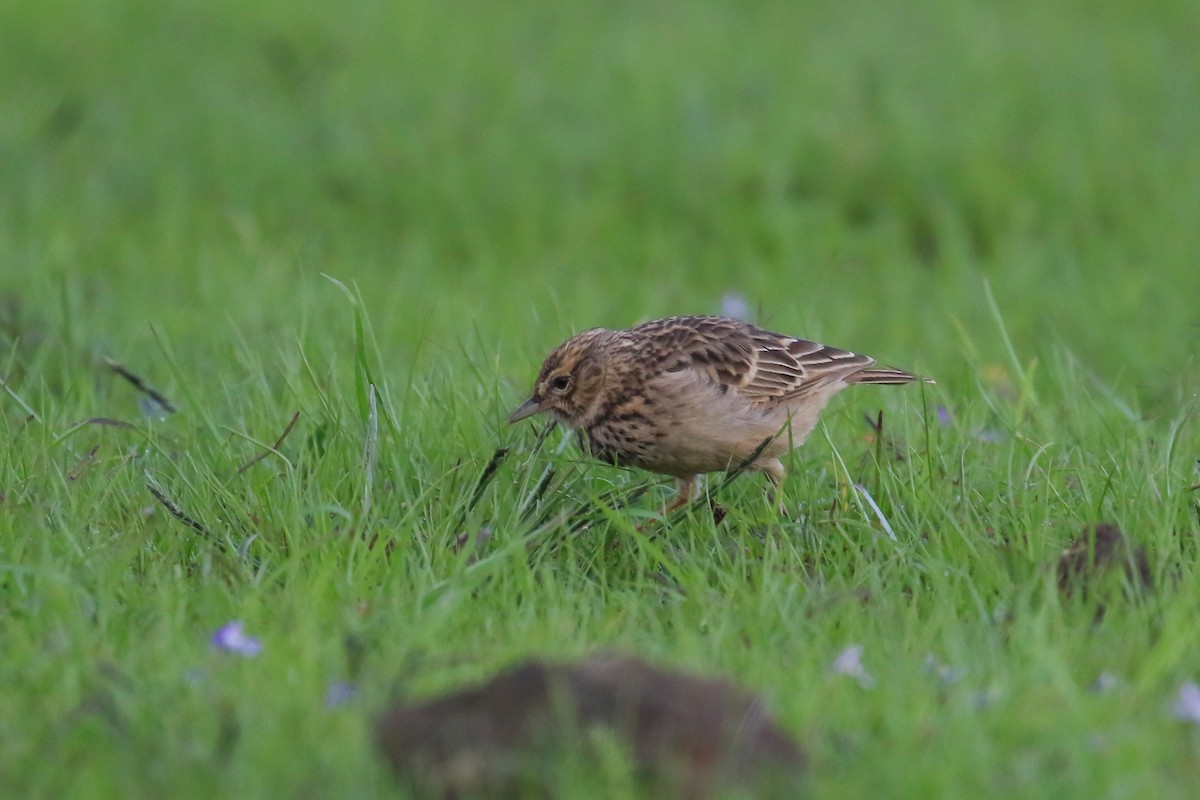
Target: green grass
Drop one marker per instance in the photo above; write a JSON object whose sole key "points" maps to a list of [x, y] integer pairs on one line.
{"points": [[1002, 196]]}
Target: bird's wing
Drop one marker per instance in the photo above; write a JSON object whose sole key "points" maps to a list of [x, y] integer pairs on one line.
{"points": [[763, 366], [786, 367]]}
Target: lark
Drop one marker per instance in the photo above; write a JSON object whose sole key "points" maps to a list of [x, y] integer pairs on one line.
{"points": [[684, 396]]}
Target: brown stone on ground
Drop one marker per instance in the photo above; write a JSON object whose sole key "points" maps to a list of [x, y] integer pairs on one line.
{"points": [[689, 737], [1100, 549]]}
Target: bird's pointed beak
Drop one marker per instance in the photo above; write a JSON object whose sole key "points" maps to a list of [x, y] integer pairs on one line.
{"points": [[525, 410]]}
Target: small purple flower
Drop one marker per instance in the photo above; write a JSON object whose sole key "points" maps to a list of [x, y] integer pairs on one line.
{"points": [[232, 638], [1187, 705], [849, 662], [339, 694], [943, 672], [985, 699], [151, 407], [734, 304], [945, 418]]}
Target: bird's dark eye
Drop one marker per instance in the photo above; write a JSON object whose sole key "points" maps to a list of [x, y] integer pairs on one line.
{"points": [[560, 383]]}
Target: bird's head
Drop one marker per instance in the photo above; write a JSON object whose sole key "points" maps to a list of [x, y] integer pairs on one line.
{"points": [[570, 383]]}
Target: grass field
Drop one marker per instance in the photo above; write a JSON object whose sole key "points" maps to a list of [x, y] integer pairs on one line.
{"points": [[1003, 196]]}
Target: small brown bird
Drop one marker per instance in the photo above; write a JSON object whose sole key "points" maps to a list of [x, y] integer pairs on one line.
{"points": [[686, 395]]}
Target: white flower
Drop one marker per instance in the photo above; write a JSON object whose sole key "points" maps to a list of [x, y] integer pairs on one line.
{"points": [[849, 662]]}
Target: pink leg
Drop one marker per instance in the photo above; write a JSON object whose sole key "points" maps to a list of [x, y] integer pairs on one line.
{"points": [[686, 485], [774, 471]]}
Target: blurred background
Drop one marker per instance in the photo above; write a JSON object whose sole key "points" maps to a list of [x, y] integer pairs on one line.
{"points": [[495, 176]]}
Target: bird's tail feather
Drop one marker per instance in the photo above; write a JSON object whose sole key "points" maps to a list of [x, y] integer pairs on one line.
{"points": [[885, 376]]}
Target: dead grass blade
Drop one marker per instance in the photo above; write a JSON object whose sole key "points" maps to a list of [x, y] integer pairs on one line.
{"points": [[273, 449], [136, 381]]}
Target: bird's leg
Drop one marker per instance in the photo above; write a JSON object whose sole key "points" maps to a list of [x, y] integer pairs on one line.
{"points": [[681, 499], [686, 485], [773, 469]]}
